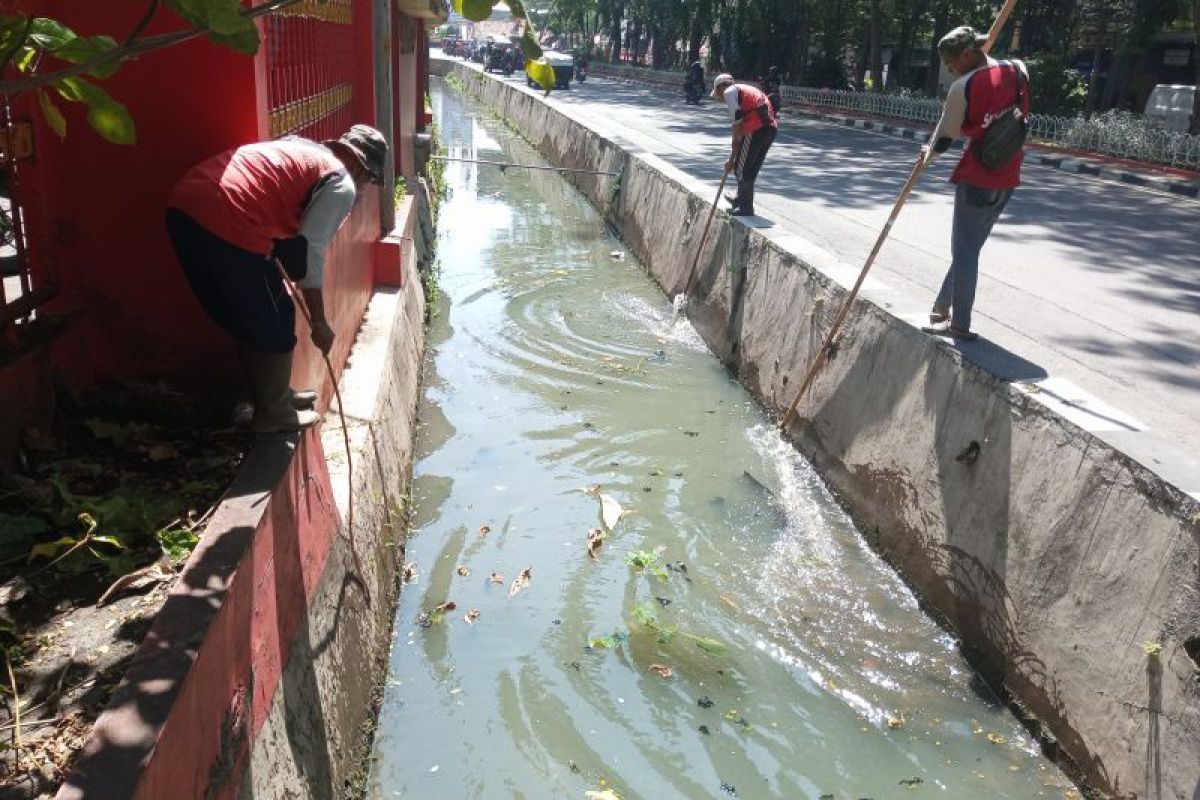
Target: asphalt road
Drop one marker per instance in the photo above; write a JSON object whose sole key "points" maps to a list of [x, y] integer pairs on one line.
{"points": [[1091, 287]]}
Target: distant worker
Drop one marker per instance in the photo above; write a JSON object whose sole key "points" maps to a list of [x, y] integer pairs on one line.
{"points": [[754, 129], [981, 106], [693, 83], [771, 88], [230, 217]]}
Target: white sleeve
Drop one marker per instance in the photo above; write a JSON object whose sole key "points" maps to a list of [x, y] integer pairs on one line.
{"points": [[731, 99], [954, 114], [330, 205]]}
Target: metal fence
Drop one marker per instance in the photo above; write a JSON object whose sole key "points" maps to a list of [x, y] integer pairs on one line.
{"points": [[310, 68], [1113, 133]]}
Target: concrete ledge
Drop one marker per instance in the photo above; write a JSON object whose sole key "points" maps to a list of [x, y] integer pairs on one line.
{"points": [[258, 677], [1053, 555]]}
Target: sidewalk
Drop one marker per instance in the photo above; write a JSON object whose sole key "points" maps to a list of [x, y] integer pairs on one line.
{"points": [[1095, 284]]}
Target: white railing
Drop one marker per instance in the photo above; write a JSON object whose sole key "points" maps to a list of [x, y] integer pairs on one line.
{"points": [[1112, 133]]}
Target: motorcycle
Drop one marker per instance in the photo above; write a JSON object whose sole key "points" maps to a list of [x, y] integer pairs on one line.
{"points": [[581, 71]]}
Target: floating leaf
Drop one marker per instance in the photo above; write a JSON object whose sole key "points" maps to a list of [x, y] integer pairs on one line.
{"points": [[727, 600], [602, 794], [911, 783], [610, 512], [522, 582], [410, 572], [661, 670], [484, 530], [896, 721], [594, 540], [496, 577], [711, 646], [471, 616], [463, 570], [996, 738], [607, 642], [646, 615]]}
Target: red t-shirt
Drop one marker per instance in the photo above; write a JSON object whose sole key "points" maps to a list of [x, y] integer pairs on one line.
{"points": [[254, 194], [990, 91]]}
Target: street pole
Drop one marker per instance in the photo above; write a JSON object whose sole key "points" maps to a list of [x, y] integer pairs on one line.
{"points": [[381, 21]]}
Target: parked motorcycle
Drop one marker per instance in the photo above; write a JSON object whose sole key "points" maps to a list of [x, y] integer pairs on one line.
{"points": [[581, 70]]}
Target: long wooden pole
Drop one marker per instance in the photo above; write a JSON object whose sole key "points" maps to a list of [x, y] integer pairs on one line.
{"points": [[704, 235], [823, 354], [913, 177], [298, 299]]}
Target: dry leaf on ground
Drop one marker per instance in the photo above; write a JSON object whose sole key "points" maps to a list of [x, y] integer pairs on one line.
{"points": [[521, 582], [138, 579]]}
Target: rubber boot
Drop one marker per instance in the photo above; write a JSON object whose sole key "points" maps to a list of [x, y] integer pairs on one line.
{"points": [[744, 207], [273, 412], [302, 398]]}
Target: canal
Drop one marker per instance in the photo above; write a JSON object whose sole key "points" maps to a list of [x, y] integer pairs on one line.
{"points": [[727, 633]]}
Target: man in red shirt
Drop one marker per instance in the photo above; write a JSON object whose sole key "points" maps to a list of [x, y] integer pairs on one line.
{"points": [[754, 128], [232, 216], [985, 90]]}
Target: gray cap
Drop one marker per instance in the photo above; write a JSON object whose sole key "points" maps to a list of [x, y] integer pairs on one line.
{"points": [[960, 39], [369, 147]]}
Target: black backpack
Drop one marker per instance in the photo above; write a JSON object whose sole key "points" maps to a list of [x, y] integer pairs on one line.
{"points": [[1005, 137]]}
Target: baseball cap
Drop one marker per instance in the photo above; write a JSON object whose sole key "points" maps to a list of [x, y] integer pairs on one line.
{"points": [[369, 147], [960, 39], [720, 80]]}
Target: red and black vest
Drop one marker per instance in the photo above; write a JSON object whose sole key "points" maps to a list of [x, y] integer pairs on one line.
{"points": [[750, 99], [257, 193], [990, 92]]}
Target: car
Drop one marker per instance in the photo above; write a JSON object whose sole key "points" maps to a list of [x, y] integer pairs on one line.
{"points": [[1170, 106]]}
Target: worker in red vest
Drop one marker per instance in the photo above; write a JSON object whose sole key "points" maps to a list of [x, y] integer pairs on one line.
{"points": [[232, 216], [754, 129], [985, 91]]}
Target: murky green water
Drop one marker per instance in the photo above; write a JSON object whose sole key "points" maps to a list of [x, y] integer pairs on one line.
{"points": [[553, 367]]}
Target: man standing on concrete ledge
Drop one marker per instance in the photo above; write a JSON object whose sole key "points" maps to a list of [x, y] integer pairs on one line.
{"points": [[754, 128], [986, 92], [232, 216]]}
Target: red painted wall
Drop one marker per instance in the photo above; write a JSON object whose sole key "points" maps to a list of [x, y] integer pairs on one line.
{"points": [[103, 233]]}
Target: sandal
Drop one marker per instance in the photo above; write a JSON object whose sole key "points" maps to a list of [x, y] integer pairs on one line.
{"points": [[953, 333], [939, 314]]}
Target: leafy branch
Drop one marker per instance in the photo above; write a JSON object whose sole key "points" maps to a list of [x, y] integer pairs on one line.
{"points": [[536, 65], [26, 41]]}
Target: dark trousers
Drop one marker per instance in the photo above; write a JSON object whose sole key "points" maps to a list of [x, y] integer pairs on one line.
{"points": [[750, 159], [241, 291]]}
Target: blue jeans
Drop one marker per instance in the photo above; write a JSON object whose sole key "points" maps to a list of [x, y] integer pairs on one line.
{"points": [[975, 212]]}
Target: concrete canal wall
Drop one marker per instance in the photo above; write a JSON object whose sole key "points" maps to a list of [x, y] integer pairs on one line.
{"points": [[1070, 571]]}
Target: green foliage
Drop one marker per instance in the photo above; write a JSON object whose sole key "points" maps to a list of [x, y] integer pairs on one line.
{"points": [[223, 19], [1055, 88], [177, 543]]}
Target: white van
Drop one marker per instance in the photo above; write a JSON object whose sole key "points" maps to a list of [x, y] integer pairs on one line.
{"points": [[1170, 106]]}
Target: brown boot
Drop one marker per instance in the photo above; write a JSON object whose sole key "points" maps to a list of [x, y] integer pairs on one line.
{"points": [[273, 410]]}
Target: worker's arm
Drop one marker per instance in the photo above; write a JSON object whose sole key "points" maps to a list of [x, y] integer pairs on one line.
{"points": [[735, 130], [330, 205], [949, 127]]}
